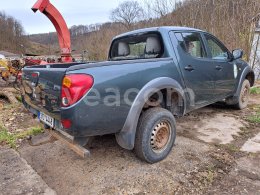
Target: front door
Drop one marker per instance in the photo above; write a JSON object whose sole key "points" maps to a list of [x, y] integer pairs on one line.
{"points": [[198, 71], [225, 69]]}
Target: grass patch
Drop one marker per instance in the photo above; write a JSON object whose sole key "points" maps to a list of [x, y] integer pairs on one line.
{"points": [[30, 132], [255, 90], [19, 98], [10, 139], [7, 138], [256, 117], [232, 148], [211, 170], [244, 131]]}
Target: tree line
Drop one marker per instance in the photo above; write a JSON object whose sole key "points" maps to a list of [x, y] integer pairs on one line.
{"points": [[11, 34], [231, 21]]}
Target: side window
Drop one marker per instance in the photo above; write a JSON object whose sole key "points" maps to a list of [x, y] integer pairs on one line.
{"points": [[192, 44], [218, 51]]}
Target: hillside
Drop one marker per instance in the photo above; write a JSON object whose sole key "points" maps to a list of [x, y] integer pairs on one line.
{"points": [[48, 42], [11, 34], [39, 49], [43, 44], [235, 30]]}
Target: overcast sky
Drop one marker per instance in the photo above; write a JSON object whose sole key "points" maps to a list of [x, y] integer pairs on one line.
{"points": [[75, 12]]}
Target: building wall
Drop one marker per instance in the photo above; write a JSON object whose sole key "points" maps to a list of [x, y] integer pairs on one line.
{"points": [[255, 53]]}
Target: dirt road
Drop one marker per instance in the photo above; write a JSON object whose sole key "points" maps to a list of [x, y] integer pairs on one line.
{"points": [[207, 158]]}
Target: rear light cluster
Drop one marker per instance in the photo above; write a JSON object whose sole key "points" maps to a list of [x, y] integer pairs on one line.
{"points": [[74, 87]]}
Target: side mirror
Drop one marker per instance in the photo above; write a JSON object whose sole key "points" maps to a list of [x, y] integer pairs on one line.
{"points": [[237, 54]]}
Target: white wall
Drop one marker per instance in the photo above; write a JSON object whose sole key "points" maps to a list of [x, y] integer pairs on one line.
{"points": [[255, 54]]}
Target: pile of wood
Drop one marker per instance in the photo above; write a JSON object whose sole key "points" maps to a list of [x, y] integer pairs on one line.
{"points": [[8, 96]]}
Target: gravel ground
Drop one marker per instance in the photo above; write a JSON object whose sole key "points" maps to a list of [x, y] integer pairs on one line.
{"points": [[17, 177], [198, 164]]}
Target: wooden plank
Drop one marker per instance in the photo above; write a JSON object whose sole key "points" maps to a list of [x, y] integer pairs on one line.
{"points": [[81, 151]]}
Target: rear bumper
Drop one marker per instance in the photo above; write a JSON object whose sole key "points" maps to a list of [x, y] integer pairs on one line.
{"points": [[85, 121], [57, 124], [76, 130]]}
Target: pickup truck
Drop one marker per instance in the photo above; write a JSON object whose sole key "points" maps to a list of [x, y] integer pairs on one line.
{"points": [[151, 77]]}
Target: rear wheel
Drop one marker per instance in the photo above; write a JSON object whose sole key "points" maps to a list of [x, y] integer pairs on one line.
{"points": [[155, 135]]}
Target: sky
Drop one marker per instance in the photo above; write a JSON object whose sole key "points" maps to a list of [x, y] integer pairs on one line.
{"points": [[75, 12]]}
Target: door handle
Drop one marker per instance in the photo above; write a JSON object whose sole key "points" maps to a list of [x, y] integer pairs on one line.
{"points": [[219, 67], [189, 68]]}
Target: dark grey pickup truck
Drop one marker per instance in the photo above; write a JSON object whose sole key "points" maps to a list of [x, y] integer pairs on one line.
{"points": [[152, 76]]}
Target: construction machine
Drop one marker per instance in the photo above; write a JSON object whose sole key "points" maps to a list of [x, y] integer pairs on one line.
{"points": [[60, 25], [13, 67]]}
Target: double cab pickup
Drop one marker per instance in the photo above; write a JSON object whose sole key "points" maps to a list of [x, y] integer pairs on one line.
{"points": [[151, 77]]}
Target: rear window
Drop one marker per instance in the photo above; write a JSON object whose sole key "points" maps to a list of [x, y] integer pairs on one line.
{"points": [[137, 47]]}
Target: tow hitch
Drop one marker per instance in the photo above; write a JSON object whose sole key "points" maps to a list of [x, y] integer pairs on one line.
{"points": [[55, 135]]}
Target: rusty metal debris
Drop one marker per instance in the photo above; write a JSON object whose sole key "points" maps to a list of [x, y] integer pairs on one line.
{"points": [[10, 67]]}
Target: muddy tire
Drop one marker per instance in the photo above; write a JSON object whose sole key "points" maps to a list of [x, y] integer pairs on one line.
{"points": [[155, 136], [243, 98]]}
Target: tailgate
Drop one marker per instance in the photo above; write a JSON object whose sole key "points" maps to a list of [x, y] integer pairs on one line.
{"points": [[41, 88]]}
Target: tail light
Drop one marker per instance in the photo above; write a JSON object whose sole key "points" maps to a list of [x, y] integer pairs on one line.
{"points": [[74, 87], [66, 123]]}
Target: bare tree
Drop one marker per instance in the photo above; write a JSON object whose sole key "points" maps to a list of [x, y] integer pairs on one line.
{"points": [[127, 13], [11, 34], [159, 8], [228, 20]]}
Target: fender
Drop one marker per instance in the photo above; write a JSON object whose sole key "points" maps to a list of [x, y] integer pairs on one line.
{"points": [[245, 72], [126, 138]]}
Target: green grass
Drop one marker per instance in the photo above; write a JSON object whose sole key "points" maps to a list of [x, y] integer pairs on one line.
{"points": [[30, 132], [7, 138], [255, 90], [19, 98], [232, 148], [256, 117], [10, 139]]}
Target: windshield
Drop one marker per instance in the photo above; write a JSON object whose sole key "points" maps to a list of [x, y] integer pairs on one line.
{"points": [[137, 47]]}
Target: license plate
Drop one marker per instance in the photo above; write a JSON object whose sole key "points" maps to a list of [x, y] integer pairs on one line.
{"points": [[46, 119]]}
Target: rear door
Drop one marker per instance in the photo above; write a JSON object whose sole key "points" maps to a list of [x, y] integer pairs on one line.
{"points": [[198, 71], [225, 69]]}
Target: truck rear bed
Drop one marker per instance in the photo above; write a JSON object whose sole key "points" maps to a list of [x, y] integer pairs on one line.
{"points": [[41, 87]]}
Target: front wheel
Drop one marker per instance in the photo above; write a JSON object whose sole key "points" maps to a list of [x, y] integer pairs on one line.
{"points": [[243, 98], [155, 135]]}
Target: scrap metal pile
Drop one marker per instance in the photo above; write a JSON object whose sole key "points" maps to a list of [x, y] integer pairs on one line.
{"points": [[10, 67]]}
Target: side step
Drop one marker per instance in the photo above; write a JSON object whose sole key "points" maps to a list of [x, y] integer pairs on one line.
{"points": [[81, 151]]}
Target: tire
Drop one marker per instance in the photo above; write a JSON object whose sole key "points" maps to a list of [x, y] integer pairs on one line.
{"points": [[243, 98], [155, 136]]}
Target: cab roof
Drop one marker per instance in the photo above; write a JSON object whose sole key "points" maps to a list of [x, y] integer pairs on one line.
{"points": [[162, 28]]}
